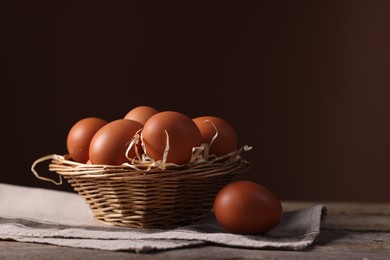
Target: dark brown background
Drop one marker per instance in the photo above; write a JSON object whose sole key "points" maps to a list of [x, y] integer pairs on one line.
{"points": [[307, 83]]}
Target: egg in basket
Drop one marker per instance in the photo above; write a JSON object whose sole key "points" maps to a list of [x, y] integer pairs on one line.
{"points": [[150, 169]]}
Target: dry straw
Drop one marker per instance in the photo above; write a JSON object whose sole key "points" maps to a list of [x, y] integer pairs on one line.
{"points": [[148, 194]]}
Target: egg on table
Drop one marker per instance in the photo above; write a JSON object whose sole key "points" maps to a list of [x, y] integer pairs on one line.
{"points": [[248, 208]]}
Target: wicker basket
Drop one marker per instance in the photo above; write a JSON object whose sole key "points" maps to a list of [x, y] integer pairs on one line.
{"points": [[153, 198]]}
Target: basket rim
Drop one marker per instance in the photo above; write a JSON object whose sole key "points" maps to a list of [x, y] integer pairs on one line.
{"points": [[65, 167], [229, 164]]}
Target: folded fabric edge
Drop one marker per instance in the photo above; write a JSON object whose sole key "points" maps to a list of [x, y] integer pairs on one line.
{"points": [[137, 245], [293, 243]]}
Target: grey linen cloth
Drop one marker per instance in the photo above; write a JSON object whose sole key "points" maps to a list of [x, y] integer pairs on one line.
{"points": [[63, 218]]}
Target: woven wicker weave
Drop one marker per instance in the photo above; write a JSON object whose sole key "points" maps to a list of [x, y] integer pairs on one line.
{"points": [[122, 196]]}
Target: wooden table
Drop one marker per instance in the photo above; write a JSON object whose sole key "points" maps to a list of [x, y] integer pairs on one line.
{"points": [[350, 231]]}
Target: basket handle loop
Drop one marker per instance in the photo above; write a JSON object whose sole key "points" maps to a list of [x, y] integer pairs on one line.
{"points": [[42, 159]]}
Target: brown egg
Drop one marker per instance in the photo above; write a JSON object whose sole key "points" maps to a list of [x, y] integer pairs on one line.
{"points": [[226, 140], [183, 136], [141, 114], [245, 207], [109, 144], [80, 136]]}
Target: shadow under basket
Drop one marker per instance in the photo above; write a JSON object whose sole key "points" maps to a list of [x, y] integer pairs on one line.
{"points": [[155, 198]]}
